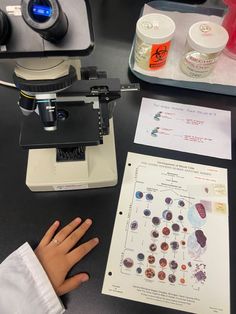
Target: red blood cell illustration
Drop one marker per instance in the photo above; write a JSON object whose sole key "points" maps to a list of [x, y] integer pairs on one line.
{"points": [[161, 275], [151, 259], [163, 262], [164, 246], [150, 273], [166, 231]]}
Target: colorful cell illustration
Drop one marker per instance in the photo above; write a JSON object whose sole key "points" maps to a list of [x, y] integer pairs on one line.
{"points": [[163, 262], [200, 273], [139, 270], [167, 214], [172, 278], [185, 229], [149, 197], [175, 227], [140, 256], [155, 234], [197, 215], [151, 259], [173, 264], [128, 262], [164, 246], [166, 231], [147, 212], [152, 247], [181, 217], [168, 200], [161, 275], [156, 221], [134, 225], [181, 203], [183, 243], [157, 116], [174, 245], [196, 244], [182, 281], [154, 132], [139, 195], [183, 267], [150, 273]]}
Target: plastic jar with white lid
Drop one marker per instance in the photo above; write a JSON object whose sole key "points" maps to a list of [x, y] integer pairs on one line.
{"points": [[153, 38], [205, 42]]}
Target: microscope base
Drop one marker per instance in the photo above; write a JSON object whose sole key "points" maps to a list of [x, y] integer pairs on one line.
{"points": [[98, 170]]}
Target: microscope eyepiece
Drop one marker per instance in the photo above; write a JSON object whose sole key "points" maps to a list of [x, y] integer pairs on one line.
{"points": [[46, 18]]}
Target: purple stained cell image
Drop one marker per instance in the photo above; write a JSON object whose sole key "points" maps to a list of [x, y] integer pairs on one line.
{"points": [[156, 221], [139, 270], [181, 217], [155, 234], [149, 197], [174, 245], [140, 256], [172, 278], [139, 195], [175, 227], [153, 247], [173, 264], [134, 225], [201, 238], [147, 212], [168, 200], [128, 262], [167, 214], [200, 275], [181, 203], [197, 215]]}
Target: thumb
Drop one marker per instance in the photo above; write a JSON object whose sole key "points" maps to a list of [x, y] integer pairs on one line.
{"points": [[72, 283]]}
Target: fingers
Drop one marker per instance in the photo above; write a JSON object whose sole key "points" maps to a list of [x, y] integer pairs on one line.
{"points": [[63, 233], [75, 236], [49, 234], [72, 283], [78, 253]]}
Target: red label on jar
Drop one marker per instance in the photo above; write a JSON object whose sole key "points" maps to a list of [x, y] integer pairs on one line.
{"points": [[159, 54]]}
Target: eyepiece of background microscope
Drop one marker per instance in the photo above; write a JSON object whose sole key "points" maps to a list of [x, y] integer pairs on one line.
{"points": [[5, 28], [46, 18]]}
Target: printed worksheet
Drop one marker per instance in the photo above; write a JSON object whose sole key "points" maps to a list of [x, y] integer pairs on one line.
{"points": [[170, 243], [186, 128]]}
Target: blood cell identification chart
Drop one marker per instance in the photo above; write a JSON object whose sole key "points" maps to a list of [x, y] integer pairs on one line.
{"points": [[170, 243]]}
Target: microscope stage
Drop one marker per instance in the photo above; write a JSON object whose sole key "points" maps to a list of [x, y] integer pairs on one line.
{"points": [[82, 127]]}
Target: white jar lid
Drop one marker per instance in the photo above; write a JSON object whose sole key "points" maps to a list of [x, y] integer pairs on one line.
{"points": [[155, 28], [207, 37]]}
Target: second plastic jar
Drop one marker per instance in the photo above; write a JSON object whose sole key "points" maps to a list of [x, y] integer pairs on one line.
{"points": [[205, 42]]}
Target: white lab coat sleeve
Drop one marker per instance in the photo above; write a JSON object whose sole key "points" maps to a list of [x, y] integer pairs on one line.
{"points": [[25, 287]]}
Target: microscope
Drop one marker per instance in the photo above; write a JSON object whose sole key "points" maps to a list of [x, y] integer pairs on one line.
{"points": [[67, 110]]}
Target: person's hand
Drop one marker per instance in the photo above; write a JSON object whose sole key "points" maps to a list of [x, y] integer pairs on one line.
{"points": [[57, 256]]}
